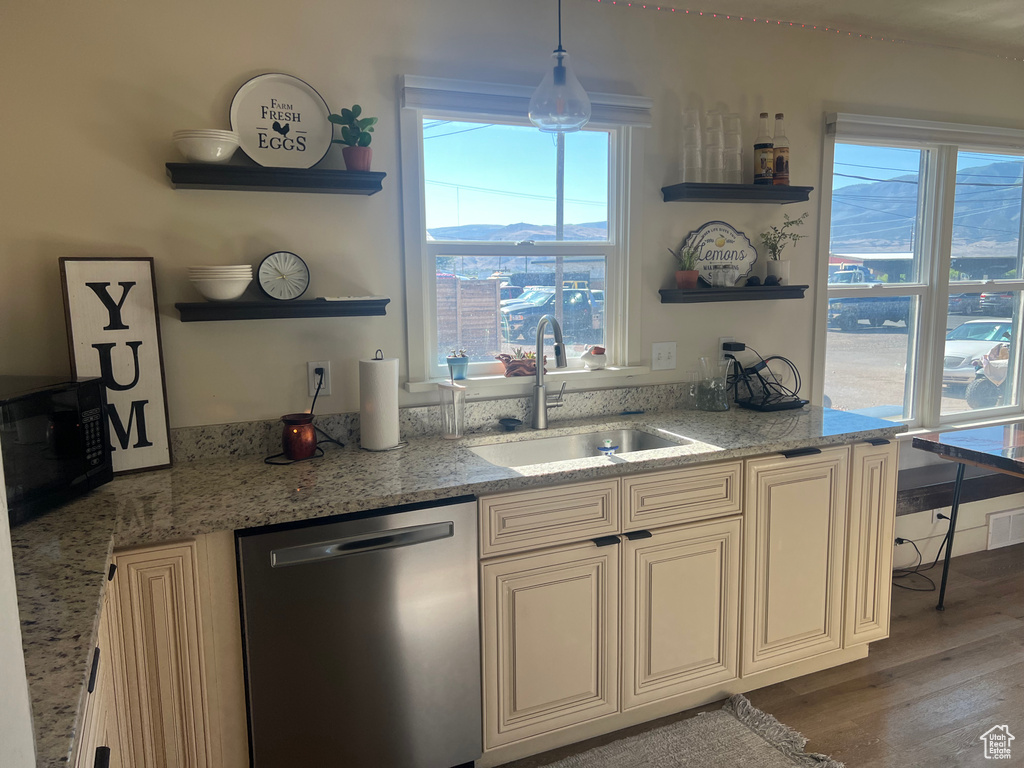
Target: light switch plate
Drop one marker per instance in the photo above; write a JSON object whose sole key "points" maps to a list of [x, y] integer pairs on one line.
{"points": [[663, 356]]}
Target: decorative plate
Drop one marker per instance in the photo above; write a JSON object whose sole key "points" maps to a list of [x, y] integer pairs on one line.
{"points": [[281, 122], [718, 243]]}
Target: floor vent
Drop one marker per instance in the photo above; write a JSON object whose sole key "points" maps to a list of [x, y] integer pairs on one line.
{"points": [[1005, 528]]}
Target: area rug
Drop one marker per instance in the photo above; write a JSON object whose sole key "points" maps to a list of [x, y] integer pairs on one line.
{"points": [[739, 735]]}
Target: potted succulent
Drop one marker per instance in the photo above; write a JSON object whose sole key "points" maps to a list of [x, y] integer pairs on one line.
{"points": [[355, 136], [774, 240], [458, 364], [687, 274], [519, 363]]}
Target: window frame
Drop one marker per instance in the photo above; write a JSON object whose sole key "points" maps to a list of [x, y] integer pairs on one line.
{"points": [[431, 98], [941, 144]]}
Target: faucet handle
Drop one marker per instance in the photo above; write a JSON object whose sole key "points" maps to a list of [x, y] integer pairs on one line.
{"points": [[556, 400]]}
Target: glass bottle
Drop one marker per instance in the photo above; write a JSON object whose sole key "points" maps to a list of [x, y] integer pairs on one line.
{"points": [[763, 153], [780, 153]]}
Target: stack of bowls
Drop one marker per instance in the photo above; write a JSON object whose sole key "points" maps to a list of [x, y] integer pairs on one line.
{"points": [[221, 283], [206, 145]]}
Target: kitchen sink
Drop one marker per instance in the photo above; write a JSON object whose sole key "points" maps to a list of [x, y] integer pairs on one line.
{"points": [[546, 450]]}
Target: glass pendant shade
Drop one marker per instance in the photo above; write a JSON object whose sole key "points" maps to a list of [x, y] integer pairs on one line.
{"points": [[559, 104]]}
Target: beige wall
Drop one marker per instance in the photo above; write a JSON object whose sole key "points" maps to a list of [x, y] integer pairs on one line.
{"points": [[92, 91]]}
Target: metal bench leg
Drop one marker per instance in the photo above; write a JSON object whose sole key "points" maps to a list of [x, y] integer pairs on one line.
{"points": [[952, 530]]}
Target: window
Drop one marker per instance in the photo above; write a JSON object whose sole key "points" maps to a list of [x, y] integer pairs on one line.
{"points": [[924, 270], [505, 224]]}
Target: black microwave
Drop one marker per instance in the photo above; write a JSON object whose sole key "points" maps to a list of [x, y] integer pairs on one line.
{"points": [[55, 441]]}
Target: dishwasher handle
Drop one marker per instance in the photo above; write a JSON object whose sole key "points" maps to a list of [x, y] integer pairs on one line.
{"points": [[364, 542]]}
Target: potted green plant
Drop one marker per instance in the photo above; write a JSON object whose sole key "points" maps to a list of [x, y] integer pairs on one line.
{"points": [[687, 274], [774, 239], [519, 363], [355, 136], [458, 364]]}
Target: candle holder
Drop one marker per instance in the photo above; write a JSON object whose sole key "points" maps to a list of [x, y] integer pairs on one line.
{"points": [[298, 438]]}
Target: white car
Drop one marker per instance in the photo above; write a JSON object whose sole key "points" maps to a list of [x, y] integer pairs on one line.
{"points": [[968, 342]]}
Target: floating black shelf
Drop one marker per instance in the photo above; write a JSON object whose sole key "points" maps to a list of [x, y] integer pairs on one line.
{"points": [[200, 311], [747, 293], [694, 192], [254, 178]]}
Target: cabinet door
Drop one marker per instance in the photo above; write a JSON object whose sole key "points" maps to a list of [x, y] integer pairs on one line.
{"points": [[550, 629], [680, 610], [870, 542], [162, 661], [794, 545]]}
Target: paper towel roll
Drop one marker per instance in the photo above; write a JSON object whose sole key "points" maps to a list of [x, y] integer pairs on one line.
{"points": [[378, 404]]}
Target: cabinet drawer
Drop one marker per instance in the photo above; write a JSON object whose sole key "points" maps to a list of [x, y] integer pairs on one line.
{"points": [[682, 495], [510, 522]]}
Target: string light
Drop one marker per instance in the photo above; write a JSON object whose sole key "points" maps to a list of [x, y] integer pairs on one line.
{"points": [[813, 27]]}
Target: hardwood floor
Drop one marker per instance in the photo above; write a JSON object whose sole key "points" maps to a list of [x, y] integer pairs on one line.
{"points": [[921, 698]]}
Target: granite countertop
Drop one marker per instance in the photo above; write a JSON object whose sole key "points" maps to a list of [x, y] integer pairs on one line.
{"points": [[61, 559]]}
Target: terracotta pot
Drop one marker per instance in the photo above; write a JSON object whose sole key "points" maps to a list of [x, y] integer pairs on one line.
{"points": [[686, 279], [357, 158]]}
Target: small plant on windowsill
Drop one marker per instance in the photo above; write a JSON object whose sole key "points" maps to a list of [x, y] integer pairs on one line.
{"points": [[356, 135], [687, 274], [519, 363], [775, 239], [458, 364]]}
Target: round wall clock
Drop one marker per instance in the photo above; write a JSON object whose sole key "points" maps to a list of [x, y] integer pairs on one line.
{"points": [[283, 275]]}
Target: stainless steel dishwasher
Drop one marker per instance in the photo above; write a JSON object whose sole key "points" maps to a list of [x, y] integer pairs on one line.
{"points": [[362, 639]]}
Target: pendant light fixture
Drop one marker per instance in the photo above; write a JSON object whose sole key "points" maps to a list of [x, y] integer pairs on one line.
{"points": [[559, 105]]}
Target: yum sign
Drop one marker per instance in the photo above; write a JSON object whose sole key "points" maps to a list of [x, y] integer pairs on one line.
{"points": [[114, 334]]}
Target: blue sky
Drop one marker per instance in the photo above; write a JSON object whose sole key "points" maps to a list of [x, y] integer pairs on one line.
{"points": [[501, 174]]}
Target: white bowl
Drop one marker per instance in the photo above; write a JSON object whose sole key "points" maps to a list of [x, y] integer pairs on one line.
{"points": [[205, 132], [222, 289], [220, 272], [207, 149]]}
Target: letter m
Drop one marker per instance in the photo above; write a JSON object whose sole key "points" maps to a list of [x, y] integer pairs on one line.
{"points": [[136, 416]]}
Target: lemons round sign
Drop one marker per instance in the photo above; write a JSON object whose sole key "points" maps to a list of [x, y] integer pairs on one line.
{"points": [[720, 245]]}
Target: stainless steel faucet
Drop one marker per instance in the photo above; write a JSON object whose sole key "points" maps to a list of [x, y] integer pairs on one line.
{"points": [[541, 403]]}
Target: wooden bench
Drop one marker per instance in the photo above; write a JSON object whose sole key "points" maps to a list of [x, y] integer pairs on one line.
{"points": [[924, 488]]}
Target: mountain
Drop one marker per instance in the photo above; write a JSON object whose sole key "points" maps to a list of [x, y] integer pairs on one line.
{"points": [[881, 216], [597, 230]]}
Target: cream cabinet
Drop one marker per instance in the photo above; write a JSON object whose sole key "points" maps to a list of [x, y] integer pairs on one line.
{"points": [[869, 542], [98, 729], [795, 521], [170, 685], [680, 610], [164, 664], [550, 640]]}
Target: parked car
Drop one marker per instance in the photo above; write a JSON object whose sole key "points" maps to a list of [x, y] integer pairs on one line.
{"points": [[997, 304], [511, 292], [968, 342], [519, 320], [964, 303], [846, 313]]}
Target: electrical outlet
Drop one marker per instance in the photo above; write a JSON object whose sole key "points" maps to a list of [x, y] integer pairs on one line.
{"points": [[663, 356], [936, 520], [313, 377], [721, 341]]}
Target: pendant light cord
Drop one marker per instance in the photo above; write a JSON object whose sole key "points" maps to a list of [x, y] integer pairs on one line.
{"points": [[559, 49]]}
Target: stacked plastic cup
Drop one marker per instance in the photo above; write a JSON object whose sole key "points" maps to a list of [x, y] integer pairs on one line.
{"points": [[714, 148], [732, 128], [690, 160]]}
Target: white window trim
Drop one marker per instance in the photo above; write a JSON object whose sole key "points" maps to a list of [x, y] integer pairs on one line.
{"points": [[457, 98], [944, 140]]}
